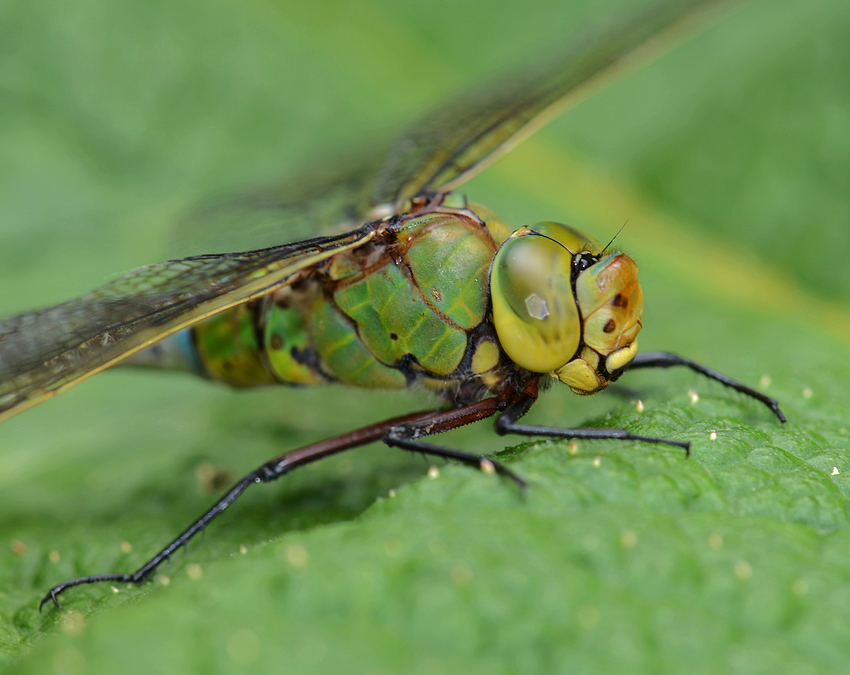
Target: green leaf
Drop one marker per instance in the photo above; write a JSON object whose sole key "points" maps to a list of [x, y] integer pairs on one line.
{"points": [[728, 158]]}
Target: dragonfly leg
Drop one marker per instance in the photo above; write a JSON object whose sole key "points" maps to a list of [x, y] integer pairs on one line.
{"points": [[145, 570], [400, 431], [507, 424], [406, 436], [666, 360], [483, 463]]}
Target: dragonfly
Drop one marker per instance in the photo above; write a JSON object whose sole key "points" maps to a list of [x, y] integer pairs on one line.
{"points": [[428, 291]]}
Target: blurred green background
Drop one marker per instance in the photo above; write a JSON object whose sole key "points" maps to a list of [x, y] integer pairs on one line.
{"points": [[729, 159]]}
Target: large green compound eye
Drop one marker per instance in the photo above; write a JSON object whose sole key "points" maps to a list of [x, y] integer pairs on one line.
{"points": [[534, 311]]}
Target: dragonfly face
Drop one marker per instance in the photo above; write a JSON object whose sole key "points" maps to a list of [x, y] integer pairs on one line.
{"points": [[562, 307]]}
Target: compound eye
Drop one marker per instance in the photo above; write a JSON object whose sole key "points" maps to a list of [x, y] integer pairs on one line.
{"points": [[611, 303], [534, 311]]}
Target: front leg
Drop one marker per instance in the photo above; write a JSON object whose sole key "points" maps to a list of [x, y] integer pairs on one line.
{"points": [[666, 360], [521, 404]]}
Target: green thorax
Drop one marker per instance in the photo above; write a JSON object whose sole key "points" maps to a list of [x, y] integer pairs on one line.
{"points": [[408, 307]]}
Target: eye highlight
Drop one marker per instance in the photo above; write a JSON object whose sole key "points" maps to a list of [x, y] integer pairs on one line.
{"points": [[534, 311]]}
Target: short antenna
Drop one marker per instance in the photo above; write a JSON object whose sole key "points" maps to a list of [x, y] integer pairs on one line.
{"points": [[613, 239]]}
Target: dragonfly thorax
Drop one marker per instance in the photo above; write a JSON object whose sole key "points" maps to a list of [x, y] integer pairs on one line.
{"points": [[562, 307]]}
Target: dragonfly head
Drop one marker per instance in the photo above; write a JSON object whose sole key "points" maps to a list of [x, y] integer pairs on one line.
{"points": [[561, 306]]}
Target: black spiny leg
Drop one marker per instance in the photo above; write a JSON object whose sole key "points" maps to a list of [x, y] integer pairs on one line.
{"points": [[507, 424], [666, 360], [484, 463]]}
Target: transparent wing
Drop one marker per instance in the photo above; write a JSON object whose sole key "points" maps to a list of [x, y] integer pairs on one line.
{"points": [[42, 353], [322, 200], [443, 149], [453, 143]]}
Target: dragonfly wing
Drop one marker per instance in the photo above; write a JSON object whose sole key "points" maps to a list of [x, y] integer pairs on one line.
{"points": [[456, 141], [320, 200], [42, 353], [444, 149]]}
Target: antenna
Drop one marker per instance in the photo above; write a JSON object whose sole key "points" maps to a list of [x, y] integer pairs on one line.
{"points": [[614, 237]]}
